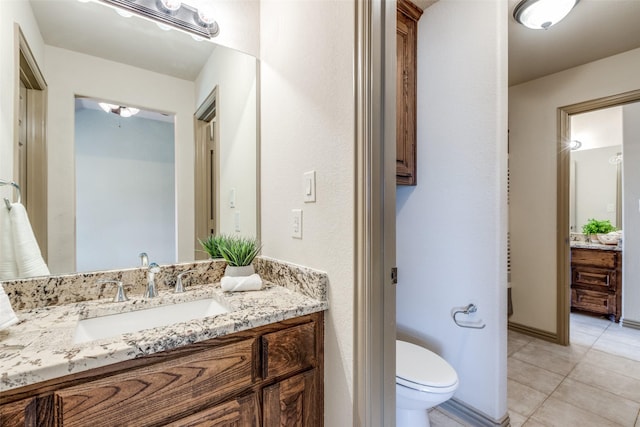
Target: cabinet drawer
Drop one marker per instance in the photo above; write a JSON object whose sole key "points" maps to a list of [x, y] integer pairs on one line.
{"points": [[160, 392], [606, 279], [594, 258], [243, 411], [593, 301], [289, 350]]}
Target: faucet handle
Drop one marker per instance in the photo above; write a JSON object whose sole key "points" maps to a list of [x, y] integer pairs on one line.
{"points": [[120, 295], [144, 259], [179, 287]]}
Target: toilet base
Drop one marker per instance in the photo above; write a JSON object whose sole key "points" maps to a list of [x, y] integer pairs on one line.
{"points": [[412, 418]]}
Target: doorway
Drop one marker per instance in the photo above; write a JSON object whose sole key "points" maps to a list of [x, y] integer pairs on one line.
{"points": [[30, 150], [564, 200]]}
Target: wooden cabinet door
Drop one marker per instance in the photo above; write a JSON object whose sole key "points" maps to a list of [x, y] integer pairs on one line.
{"points": [[407, 38], [291, 402], [159, 393], [240, 412]]}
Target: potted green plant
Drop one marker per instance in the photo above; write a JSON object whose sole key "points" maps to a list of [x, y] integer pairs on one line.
{"points": [[239, 253], [211, 245], [593, 227]]}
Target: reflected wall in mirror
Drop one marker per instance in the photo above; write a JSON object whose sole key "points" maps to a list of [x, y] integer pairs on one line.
{"points": [[88, 50], [596, 167]]}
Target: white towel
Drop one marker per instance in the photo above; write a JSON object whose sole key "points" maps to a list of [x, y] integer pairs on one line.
{"points": [[27, 252], [7, 316], [8, 267], [236, 284]]}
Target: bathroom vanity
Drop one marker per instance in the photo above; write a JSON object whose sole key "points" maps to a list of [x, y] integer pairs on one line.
{"points": [[596, 279], [259, 364]]}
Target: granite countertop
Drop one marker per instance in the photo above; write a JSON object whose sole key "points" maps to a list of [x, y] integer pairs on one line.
{"points": [[41, 346], [590, 245]]}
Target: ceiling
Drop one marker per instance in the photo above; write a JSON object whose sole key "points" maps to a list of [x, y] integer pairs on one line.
{"points": [[595, 29]]}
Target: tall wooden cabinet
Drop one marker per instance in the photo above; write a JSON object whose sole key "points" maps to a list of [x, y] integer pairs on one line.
{"points": [[407, 37], [596, 281]]}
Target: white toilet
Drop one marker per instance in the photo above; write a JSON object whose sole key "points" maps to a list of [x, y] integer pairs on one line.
{"points": [[423, 380]]}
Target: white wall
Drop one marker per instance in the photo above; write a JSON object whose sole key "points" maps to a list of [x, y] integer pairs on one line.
{"points": [[451, 227], [11, 12], [235, 75], [239, 22], [125, 190], [631, 216], [307, 123], [69, 74], [533, 162]]}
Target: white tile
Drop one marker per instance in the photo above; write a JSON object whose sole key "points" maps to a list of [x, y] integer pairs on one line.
{"points": [[619, 364], [552, 357], [607, 405], [532, 376], [523, 399], [438, 418], [602, 378], [614, 345], [556, 413], [582, 338], [516, 420]]}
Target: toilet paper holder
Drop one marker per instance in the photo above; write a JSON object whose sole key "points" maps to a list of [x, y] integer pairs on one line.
{"points": [[469, 309]]}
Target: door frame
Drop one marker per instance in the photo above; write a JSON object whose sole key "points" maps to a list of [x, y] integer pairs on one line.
{"points": [[564, 164], [375, 292], [34, 190]]}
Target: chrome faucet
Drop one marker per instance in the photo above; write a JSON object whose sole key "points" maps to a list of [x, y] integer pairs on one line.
{"points": [[120, 295], [179, 286], [151, 282], [144, 259]]}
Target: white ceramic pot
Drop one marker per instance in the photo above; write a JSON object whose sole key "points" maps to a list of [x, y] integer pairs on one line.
{"points": [[243, 271]]}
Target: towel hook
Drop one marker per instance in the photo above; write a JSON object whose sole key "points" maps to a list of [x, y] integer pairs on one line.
{"points": [[14, 185], [469, 309]]}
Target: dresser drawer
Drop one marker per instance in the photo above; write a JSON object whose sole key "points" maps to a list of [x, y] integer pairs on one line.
{"points": [[594, 258], [288, 351], [139, 397], [605, 279], [593, 301]]}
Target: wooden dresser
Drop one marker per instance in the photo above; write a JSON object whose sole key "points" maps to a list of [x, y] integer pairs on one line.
{"points": [[596, 281]]}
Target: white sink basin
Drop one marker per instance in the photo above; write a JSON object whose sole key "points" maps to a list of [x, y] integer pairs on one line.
{"points": [[117, 324]]}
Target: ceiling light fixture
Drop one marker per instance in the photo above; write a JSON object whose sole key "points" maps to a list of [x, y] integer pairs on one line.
{"points": [[174, 13], [118, 109], [542, 14], [575, 145]]}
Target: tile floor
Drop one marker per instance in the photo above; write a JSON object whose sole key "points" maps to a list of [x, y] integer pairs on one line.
{"points": [[593, 382]]}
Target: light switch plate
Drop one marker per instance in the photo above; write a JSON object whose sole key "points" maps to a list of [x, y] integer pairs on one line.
{"points": [[296, 223], [309, 187]]}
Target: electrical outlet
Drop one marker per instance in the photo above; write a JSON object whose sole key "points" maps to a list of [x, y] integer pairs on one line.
{"points": [[296, 223], [236, 219]]}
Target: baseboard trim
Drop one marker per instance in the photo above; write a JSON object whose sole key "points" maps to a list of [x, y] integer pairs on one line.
{"points": [[471, 415], [630, 323], [533, 332]]}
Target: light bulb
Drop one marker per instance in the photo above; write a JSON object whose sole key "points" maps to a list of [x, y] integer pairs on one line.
{"points": [[170, 6]]}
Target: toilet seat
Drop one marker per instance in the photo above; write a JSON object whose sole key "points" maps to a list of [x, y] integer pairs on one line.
{"points": [[420, 369]]}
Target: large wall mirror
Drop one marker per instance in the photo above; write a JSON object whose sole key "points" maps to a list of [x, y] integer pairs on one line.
{"points": [[596, 167], [92, 54]]}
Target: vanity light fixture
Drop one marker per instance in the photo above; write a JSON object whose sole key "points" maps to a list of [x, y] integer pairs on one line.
{"points": [[174, 13], [542, 14], [118, 109]]}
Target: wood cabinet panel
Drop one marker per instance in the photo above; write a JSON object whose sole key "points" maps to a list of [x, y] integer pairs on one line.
{"points": [[596, 281], [139, 397], [216, 382], [406, 78], [240, 412], [593, 301], [290, 403], [288, 351]]}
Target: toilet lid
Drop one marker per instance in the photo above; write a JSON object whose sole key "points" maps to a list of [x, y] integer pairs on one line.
{"points": [[416, 366]]}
